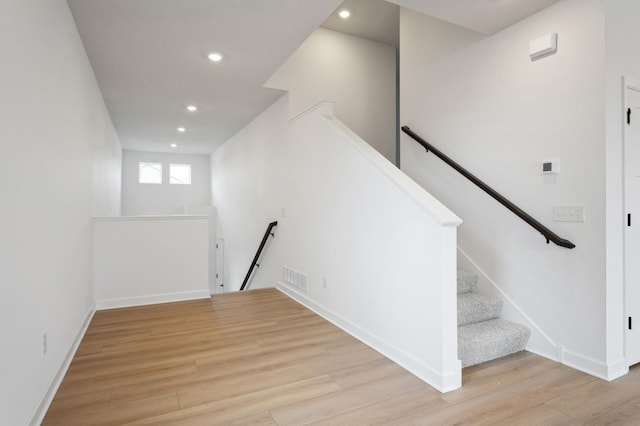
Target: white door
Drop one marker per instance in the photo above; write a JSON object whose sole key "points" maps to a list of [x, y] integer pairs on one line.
{"points": [[219, 286], [632, 221]]}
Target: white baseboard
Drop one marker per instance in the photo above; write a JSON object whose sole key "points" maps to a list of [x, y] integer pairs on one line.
{"points": [[38, 417], [594, 367], [617, 369], [151, 299], [442, 382]]}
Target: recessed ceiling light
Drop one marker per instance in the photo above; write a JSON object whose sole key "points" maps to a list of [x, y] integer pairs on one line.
{"points": [[192, 108], [173, 145], [181, 129], [344, 14], [215, 57]]}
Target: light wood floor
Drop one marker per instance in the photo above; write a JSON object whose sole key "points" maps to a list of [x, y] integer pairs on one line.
{"points": [[259, 358]]}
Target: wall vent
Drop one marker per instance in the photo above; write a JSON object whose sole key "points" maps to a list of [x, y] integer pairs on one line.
{"points": [[294, 279]]}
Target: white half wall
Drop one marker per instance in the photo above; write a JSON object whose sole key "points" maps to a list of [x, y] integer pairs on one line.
{"points": [[164, 199], [358, 74], [484, 103], [146, 260], [376, 251], [60, 164]]}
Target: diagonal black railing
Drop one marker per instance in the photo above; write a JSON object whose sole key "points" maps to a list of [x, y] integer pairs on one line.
{"points": [[254, 263], [546, 232]]}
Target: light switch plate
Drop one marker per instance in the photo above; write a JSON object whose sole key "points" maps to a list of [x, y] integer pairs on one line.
{"points": [[568, 214]]}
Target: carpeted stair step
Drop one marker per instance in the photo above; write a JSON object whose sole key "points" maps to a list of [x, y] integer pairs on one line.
{"points": [[487, 340], [476, 307], [467, 282]]}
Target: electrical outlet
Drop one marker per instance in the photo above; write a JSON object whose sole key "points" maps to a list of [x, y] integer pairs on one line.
{"points": [[324, 283], [44, 344]]}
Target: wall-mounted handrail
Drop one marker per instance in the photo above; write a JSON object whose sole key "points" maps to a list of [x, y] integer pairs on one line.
{"points": [[546, 232], [254, 263]]}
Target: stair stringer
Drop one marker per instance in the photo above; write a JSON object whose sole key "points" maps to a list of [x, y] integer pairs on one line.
{"points": [[539, 342]]}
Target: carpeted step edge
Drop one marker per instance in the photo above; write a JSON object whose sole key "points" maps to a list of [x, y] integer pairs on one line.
{"points": [[488, 340], [476, 307], [467, 282]]}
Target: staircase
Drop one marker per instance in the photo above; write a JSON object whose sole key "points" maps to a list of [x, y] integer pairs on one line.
{"points": [[482, 334]]}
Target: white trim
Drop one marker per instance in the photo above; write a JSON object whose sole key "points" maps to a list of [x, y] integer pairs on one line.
{"points": [[325, 107], [438, 211], [631, 83], [594, 367], [616, 369], [151, 299], [628, 83], [442, 382], [159, 217], [38, 416]]}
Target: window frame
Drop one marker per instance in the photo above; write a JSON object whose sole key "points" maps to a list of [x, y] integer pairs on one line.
{"points": [[142, 164], [171, 177]]}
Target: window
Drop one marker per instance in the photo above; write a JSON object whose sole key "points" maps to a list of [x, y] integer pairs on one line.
{"points": [[180, 174], [149, 172]]}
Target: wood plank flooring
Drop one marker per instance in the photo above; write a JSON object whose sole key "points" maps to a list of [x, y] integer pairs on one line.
{"points": [[259, 358]]}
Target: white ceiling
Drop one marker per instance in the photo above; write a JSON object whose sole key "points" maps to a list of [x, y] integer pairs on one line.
{"points": [[482, 16], [376, 20], [150, 56], [150, 60]]}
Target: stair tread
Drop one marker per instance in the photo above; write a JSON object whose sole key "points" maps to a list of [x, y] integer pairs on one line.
{"points": [[475, 307], [467, 281], [487, 340]]}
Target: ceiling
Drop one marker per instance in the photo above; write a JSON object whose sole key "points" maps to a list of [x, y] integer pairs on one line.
{"points": [[482, 16], [376, 20], [150, 60], [150, 56]]}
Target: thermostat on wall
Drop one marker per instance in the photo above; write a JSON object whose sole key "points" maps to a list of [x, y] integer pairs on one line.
{"points": [[550, 167]]}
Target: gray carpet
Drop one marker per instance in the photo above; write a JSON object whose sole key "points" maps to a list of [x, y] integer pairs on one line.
{"points": [[475, 307], [482, 335], [467, 282]]}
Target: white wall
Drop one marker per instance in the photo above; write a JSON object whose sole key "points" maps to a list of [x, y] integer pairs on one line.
{"points": [[487, 105], [247, 179], [107, 168], [358, 74], [377, 251], [165, 199], [139, 261], [60, 165]]}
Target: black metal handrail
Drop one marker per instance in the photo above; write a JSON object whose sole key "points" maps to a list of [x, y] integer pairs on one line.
{"points": [[546, 232], [257, 256]]}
